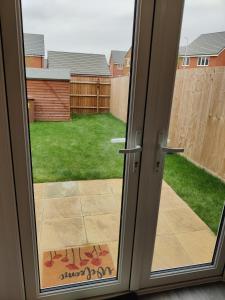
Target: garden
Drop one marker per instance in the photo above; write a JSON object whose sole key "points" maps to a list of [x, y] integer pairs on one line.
{"points": [[81, 149]]}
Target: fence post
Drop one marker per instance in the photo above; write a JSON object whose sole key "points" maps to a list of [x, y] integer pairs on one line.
{"points": [[98, 90]]}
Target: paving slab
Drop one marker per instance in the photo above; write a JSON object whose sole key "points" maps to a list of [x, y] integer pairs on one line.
{"points": [[87, 212]]}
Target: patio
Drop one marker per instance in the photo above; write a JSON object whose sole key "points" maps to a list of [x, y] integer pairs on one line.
{"points": [[79, 213]]}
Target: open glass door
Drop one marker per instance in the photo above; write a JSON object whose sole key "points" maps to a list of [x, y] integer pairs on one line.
{"points": [[76, 224], [180, 225]]}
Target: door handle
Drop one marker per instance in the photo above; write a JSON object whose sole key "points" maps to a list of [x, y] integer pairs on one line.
{"points": [[162, 150], [136, 149], [167, 150]]}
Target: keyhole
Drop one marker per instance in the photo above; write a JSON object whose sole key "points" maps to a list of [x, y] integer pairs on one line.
{"points": [[157, 164]]}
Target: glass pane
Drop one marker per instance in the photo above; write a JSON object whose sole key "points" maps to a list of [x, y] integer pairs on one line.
{"points": [[193, 188], [78, 60]]}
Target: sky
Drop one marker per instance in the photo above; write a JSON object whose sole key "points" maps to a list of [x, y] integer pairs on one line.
{"points": [[98, 26]]}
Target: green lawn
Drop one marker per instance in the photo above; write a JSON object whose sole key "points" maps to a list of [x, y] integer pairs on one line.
{"points": [[204, 193], [82, 149], [78, 149]]}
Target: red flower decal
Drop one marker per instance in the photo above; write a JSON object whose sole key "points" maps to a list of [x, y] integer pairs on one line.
{"points": [[72, 267], [83, 262], [65, 259], [88, 254], [96, 261], [103, 253], [49, 263]]}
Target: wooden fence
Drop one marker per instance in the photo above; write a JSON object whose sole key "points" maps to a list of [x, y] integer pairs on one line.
{"points": [[119, 97], [89, 94], [198, 115]]}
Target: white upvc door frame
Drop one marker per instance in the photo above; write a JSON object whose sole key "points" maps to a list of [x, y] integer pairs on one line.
{"points": [[166, 36], [13, 56], [11, 272]]}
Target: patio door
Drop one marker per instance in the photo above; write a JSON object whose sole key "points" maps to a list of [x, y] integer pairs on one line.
{"points": [[179, 235], [117, 197], [76, 195]]}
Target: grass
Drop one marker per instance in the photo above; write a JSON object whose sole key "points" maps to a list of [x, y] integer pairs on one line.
{"points": [[82, 149], [204, 193], [77, 150]]}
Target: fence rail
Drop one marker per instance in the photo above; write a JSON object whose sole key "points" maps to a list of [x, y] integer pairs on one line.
{"points": [[90, 94]]}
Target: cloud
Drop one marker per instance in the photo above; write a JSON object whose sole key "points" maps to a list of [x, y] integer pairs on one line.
{"points": [[98, 26], [81, 25], [202, 16]]}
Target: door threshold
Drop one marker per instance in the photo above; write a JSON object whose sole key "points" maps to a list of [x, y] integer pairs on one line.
{"points": [[179, 285]]}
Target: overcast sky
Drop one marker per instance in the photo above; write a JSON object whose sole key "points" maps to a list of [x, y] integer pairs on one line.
{"points": [[97, 26]]}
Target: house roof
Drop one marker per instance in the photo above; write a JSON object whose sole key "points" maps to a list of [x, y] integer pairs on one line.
{"points": [[117, 57], [51, 74], [79, 63], [205, 44], [34, 44]]}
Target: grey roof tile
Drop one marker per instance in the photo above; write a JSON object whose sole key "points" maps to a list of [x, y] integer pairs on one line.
{"points": [[79, 63], [117, 56], [34, 44], [51, 74], [205, 44]]}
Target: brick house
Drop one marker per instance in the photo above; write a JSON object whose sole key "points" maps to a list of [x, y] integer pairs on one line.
{"points": [[208, 50], [116, 62], [34, 50], [127, 63]]}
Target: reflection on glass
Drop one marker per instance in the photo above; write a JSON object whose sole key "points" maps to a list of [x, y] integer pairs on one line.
{"points": [[77, 90], [193, 189]]}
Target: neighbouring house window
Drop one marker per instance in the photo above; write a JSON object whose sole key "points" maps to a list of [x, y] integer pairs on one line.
{"points": [[120, 67], [186, 61], [203, 61], [127, 62]]}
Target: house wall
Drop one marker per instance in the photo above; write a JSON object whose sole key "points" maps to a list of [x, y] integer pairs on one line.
{"points": [[214, 61], [116, 70], [51, 99], [218, 61], [34, 61], [126, 66], [126, 70]]}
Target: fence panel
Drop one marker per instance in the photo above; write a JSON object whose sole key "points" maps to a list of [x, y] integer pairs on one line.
{"points": [[198, 115], [119, 97], [89, 94]]}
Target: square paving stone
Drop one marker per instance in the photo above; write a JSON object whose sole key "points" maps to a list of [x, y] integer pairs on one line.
{"points": [[61, 189], [102, 228], [58, 234]]}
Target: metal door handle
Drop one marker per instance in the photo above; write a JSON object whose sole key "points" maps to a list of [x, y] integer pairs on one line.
{"points": [[167, 150], [137, 149], [162, 150]]}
